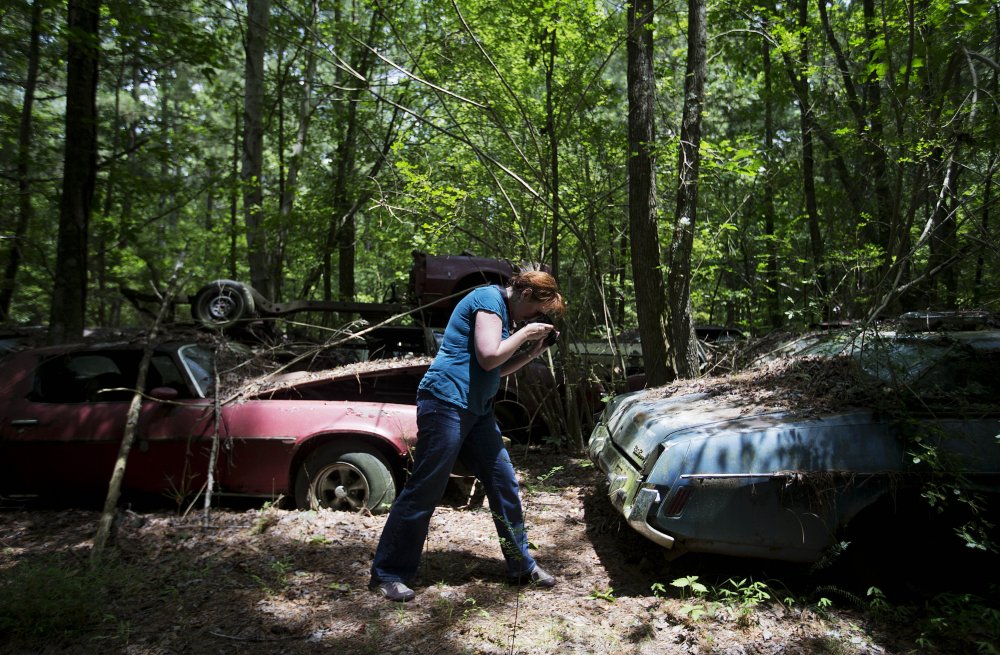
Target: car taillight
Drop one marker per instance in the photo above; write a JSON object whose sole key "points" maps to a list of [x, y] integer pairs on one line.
{"points": [[678, 501]]}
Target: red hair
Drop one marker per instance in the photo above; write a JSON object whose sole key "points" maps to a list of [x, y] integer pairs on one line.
{"points": [[544, 289]]}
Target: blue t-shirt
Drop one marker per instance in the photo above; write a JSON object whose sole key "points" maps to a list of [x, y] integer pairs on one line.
{"points": [[455, 376]]}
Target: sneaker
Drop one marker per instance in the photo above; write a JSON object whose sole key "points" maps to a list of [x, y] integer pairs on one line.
{"points": [[536, 577], [395, 591]]}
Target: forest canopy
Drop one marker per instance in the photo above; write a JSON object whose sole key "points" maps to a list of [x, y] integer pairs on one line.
{"points": [[847, 151]]}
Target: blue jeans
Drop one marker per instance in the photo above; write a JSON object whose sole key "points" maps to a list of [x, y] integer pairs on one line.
{"points": [[445, 433]]}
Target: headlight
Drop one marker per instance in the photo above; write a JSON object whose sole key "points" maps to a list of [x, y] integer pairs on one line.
{"points": [[598, 439]]}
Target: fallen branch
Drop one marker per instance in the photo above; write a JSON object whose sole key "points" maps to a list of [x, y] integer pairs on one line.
{"points": [[131, 427]]}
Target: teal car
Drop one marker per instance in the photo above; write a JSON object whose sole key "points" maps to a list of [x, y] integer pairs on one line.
{"points": [[830, 431]]}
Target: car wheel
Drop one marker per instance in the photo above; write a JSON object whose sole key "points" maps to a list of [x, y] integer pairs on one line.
{"points": [[348, 481], [222, 304]]}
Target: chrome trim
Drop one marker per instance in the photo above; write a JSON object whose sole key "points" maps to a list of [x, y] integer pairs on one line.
{"points": [[724, 476], [616, 493], [774, 475], [636, 515]]}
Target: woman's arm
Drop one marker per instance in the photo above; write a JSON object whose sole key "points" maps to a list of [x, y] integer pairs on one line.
{"points": [[516, 363], [493, 351]]}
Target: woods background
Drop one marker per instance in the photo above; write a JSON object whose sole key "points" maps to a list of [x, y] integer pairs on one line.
{"points": [[802, 162]]}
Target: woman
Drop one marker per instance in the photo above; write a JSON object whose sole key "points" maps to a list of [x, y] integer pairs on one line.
{"points": [[455, 421]]}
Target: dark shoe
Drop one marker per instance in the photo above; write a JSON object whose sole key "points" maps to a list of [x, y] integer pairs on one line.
{"points": [[537, 577], [395, 591]]}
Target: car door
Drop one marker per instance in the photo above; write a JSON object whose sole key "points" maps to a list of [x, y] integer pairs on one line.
{"points": [[67, 416]]}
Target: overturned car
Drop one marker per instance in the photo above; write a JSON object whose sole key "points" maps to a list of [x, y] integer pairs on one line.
{"points": [[782, 460]]}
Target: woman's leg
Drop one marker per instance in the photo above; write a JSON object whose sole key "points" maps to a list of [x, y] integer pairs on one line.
{"points": [[484, 454], [439, 438]]}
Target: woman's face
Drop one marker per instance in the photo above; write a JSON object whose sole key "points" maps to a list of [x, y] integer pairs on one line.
{"points": [[525, 308]]}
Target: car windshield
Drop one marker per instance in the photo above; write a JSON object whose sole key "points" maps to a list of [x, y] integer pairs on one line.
{"points": [[199, 362], [931, 365]]}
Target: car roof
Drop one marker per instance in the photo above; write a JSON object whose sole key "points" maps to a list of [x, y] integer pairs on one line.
{"points": [[83, 347]]}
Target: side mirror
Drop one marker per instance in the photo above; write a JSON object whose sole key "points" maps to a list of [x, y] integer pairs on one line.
{"points": [[164, 393]]}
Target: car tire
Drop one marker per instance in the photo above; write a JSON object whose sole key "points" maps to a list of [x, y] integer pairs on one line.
{"points": [[332, 478], [222, 304]]}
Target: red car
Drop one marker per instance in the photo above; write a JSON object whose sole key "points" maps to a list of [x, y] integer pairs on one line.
{"points": [[64, 412]]}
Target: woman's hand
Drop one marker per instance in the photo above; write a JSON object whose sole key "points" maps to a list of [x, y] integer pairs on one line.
{"points": [[537, 331], [492, 351], [539, 342], [543, 343]]}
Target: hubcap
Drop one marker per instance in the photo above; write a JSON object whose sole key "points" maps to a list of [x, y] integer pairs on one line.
{"points": [[341, 486], [221, 307]]}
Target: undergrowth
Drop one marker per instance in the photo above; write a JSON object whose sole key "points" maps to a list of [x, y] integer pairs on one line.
{"points": [[946, 622], [966, 619], [57, 597]]}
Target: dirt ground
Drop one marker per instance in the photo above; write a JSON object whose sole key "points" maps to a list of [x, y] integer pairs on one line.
{"points": [[266, 580]]}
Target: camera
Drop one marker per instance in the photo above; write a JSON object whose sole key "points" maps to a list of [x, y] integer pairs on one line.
{"points": [[551, 337]]}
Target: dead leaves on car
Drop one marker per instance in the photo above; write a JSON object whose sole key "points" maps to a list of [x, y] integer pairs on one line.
{"points": [[804, 386]]}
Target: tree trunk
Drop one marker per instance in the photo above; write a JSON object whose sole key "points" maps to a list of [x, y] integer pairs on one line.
{"points": [[943, 243], [550, 125], [345, 219], [807, 121], [106, 235], [234, 196], [977, 285], [280, 231], [213, 455], [343, 228], [984, 227], [133, 165], [645, 244], [261, 277], [774, 317], [304, 117], [683, 344], [24, 212], [878, 228], [69, 292]]}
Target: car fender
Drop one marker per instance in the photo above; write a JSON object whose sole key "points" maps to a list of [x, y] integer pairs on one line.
{"points": [[752, 492], [305, 425]]}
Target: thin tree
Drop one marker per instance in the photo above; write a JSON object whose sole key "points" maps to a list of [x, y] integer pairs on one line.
{"points": [[24, 213], [799, 75], [342, 235], [683, 344], [253, 147], [106, 524], [878, 229], [69, 292], [550, 130], [977, 286], [290, 184], [645, 242], [774, 317]]}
